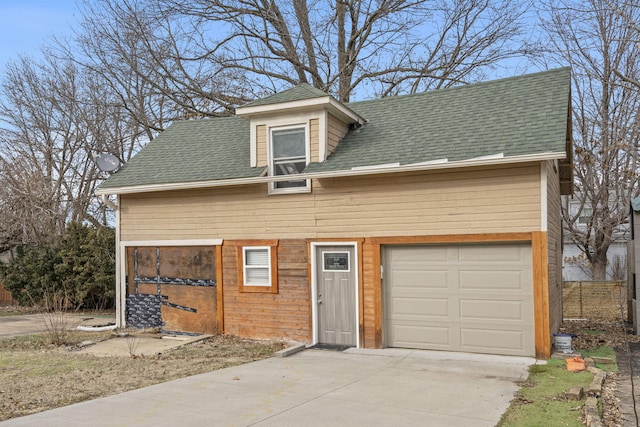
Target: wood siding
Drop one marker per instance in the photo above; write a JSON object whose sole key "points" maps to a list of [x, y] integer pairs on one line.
{"points": [[336, 130], [261, 146], [314, 137], [434, 203], [554, 244], [285, 315]]}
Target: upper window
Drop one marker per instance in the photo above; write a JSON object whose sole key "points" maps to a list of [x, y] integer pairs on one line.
{"points": [[289, 157]]}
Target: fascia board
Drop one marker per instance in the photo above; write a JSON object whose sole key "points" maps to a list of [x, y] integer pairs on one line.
{"points": [[334, 107], [331, 174]]}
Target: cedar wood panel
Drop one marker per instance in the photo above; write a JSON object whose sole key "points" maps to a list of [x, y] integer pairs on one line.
{"points": [[446, 202], [283, 315], [336, 130]]}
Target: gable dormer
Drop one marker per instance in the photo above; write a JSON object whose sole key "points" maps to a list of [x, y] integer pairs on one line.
{"points": [[293, 128]]}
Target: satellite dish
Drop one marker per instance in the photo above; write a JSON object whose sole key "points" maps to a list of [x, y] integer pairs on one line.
{"points": [[107, 162]]}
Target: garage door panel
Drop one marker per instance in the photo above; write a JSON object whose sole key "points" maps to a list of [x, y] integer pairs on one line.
{"points": [[500, 341], [494, 280], [500, 255], [419, 308], [492, 310], [476, 298], [424, 337], [406, 254], [421, 279]]}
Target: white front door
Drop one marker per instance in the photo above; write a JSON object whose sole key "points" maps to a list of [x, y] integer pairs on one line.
{"points": [[335, 271]]}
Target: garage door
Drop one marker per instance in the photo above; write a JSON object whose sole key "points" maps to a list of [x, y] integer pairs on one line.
{"points": [[472, 298]]}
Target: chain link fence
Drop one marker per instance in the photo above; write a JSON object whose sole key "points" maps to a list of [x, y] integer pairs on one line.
{"points": [[594, 300]]}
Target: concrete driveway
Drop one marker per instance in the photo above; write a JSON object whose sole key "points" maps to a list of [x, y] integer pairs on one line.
{"points": [[358, 387]]}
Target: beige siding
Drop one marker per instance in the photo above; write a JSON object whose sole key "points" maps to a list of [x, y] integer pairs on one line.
{"points": [[437, 203], [314, 136], [261, 142], [335, 132], [554, 240]]}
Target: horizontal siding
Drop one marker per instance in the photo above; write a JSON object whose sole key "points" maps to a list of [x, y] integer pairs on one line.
{"points": [[314, 137], [261, 143], [336, 130], [554, 246], [450, 202]]}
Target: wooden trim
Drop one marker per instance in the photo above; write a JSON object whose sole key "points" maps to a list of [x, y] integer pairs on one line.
{"points": [[337, 240], [253, 242], [273, 250], [541, 294], [453, 238], [219, 290], [377, 294]]}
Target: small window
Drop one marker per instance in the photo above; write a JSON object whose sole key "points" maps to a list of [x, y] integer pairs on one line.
{"points": [[289, 157], [257, 269], [335, 261]]}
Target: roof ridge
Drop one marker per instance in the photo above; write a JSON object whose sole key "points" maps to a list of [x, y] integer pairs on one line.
{"points": [[463, 87]]}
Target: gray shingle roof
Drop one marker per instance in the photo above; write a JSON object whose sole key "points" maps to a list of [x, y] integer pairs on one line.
{"points": [[514, 116], [190, 151]]}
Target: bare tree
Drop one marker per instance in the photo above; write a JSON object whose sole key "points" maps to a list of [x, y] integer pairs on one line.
{"points": [[597, 41], [55, 117], [208, 56]]}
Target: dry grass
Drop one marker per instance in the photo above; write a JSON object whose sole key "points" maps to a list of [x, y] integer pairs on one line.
{"points": [[36, 376]]}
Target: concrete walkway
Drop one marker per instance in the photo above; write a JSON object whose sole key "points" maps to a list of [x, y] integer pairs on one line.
{"points": [[358, 387]]}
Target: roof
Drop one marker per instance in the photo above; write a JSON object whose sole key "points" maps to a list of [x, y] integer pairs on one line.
{"points": [[635, 204], [506, 118], [191, 151], [299, 92]]}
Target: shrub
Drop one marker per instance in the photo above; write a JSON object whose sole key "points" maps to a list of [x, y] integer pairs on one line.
{"points": [[79, 270]]}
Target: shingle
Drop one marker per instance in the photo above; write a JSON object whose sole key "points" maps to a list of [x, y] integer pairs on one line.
{"points": [[515, 116], [297, 93], [191, 151]]}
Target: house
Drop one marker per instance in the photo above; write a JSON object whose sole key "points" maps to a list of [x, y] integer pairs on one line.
{"points": [[634, 265], [575, 266], [427, 221]]}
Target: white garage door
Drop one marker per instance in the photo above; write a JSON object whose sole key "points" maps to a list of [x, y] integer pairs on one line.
{"points": [[472, 298]]}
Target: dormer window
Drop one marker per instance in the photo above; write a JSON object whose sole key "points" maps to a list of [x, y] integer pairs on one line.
{"points": [[289, 155]]}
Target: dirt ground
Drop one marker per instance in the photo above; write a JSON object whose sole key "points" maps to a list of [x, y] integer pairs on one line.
{"points": [[597, 333], [36, 376]]}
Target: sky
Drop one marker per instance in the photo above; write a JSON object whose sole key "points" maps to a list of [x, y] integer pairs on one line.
{"points": [[26, 24]]}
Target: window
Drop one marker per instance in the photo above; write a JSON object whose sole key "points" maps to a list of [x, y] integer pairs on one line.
{"points": [[257, 269], [256, 266], [289, 157]]}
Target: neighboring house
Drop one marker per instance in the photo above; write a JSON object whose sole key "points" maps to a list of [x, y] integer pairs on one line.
{"points": [[428, 221], [634, 264], [575, 266]]}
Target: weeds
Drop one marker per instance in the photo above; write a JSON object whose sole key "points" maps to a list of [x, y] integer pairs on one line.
{"points": [[133, 340], [55, 319]]}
